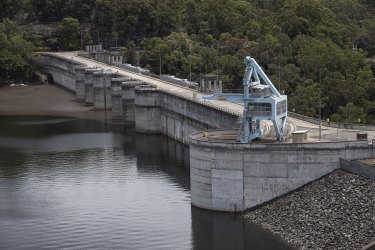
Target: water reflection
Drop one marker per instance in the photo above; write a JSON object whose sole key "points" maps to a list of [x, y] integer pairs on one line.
{"points": [[70, 183], [157, 154], [217, 230]]}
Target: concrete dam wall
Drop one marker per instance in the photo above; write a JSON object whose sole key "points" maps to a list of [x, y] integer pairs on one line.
{"points": [[152, 110], [62, 70], [160, 111], [225, 176], [235, 176]]}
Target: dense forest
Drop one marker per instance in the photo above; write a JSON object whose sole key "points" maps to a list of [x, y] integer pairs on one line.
{"points": [[309, 49]]}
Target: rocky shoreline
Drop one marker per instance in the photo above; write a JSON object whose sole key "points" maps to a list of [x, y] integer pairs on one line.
{"points": [[335, 212]]}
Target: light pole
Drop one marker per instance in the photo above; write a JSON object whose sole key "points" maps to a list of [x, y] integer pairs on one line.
{"points": [[138, 47], [85, 30], [105, 96], [179, 60], [320, 105], [138, 57], [190, 68], [279, 73], [81, 41], [189, 63], [160, 65], [98, 37], [138, 60]]}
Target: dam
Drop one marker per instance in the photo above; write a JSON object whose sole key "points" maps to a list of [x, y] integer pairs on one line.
{"points": [[225, 175]]}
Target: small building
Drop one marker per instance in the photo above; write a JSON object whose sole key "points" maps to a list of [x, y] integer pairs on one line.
{"points": [[299, 136], [211, 84], [96, 52], [94, 48], [114, 57]]}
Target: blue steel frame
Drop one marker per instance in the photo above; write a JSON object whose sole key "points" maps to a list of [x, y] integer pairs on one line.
{"points": [[251, 119]]}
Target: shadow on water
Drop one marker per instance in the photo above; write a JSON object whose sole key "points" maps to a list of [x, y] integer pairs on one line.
{"points": [[157, 153], [218, 230], [45, 126]]}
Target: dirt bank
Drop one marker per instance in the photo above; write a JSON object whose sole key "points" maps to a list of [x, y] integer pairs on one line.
{"points": [[45, 99]]}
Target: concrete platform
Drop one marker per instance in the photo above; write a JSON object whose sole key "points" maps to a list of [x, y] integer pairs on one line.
{"points": [[230, 176]]}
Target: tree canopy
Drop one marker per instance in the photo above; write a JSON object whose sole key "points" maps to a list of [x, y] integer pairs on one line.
{"points": [[16, 54], [309, 49]]}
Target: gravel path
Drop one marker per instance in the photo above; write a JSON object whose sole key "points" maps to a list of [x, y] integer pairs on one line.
{"points": [[335, 212]]}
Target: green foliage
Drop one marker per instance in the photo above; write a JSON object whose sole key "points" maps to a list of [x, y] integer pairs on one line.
{"points": [[12, 66], [302, 45], [9, 8], [351, 113], [305, 100], [68, 33], [56, 10], [16, 54]]}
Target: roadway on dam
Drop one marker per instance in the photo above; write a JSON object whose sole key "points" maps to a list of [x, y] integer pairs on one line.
{"points": [[327, 133]]}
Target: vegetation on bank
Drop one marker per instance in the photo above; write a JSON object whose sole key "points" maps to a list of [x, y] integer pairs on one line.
{"points": [[16, 54], [318, 49]]}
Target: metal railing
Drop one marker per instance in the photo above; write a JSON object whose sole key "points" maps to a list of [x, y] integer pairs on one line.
{"points": [[232, 91], [338, 125]]}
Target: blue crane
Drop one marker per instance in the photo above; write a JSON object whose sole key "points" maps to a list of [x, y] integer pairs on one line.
{"points": [[261, 101]]}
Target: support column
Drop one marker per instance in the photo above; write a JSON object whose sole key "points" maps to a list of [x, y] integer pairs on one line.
{"points": [[117, 96], [80, 82], [128, 100], [102, 94], [89, 82], [147, 110]]}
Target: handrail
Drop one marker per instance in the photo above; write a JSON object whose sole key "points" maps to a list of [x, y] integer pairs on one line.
{"points": [[363, 127]]}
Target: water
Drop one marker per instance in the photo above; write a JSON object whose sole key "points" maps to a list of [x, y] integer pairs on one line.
{"points": [[79, 184]]}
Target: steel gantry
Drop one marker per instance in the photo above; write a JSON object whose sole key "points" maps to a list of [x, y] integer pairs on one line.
{"points": [[261, 101]]}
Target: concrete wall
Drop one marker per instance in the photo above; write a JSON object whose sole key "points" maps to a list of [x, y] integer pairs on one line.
{"points": [[80, 82], [160, 111], [358, 168], [102, 90], [151, 110], [62, 70], [116, 91], [89, 85], [128, 100], [147, 110], [235, 177]]}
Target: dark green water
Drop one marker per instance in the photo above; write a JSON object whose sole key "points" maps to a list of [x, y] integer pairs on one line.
{"points": [[80, 184]]}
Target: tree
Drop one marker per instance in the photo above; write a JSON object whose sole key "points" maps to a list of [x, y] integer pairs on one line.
{"points": [[16, 54], [9, 8], [13, 66], [305, 100], [351, 113], [68, 33]]}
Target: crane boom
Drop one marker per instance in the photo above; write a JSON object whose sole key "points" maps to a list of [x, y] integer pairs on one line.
{"points": [[261, 101]]}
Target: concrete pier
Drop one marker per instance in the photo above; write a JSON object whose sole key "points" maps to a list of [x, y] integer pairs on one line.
{"points": [[128, 100], [116, 87], [102, 91], [147, 111], [89, 85], [80, 82]]}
